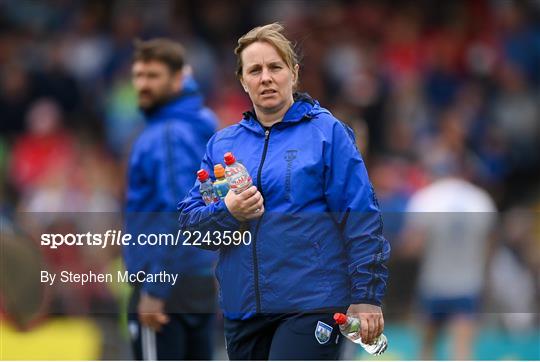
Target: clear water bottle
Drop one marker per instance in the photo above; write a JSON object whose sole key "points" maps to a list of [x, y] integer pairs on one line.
{"points": [[349, 326], [221, 186], [206, 188], [236, 174]]}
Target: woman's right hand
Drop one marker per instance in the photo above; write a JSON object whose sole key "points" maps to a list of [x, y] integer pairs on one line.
{"points": [[247, 205]]}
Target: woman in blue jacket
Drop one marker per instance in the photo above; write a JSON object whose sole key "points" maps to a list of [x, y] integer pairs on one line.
{"points": [[316, 230]]}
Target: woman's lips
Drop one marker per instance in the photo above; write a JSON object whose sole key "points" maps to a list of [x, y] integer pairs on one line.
{"points": [[268, 91]]}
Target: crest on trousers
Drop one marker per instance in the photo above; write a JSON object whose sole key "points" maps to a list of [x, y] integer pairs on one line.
{"points": [[323, 332]]}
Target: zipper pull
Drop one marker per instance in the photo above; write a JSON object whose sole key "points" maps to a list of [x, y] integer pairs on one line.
{"points": [[266, 134]]}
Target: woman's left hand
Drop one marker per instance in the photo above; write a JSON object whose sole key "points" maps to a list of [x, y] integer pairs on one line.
{"points": [[371, 320]]}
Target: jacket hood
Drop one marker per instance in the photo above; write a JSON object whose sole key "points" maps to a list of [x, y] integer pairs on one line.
{"points": [[303, 108]]}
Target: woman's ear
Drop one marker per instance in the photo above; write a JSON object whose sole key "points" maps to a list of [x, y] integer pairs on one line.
{"points": [[244, 85], [295, 73]]}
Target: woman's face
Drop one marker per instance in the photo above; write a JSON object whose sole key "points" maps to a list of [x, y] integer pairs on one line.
{"points": [[266, 78]]}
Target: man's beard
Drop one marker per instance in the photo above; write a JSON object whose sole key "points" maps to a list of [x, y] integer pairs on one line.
{"points": [[155, 103]]}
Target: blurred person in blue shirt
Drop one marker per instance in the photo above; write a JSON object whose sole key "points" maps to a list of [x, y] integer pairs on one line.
{"points": [[172, 319]]}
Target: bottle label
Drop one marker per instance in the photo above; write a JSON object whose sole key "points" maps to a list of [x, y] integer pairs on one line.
{"points": [[238, 179], [221, 189], [207, 196]]}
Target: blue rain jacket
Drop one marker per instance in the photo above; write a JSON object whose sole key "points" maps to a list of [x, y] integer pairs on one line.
{"points": [[319, 244], [164, 160]]}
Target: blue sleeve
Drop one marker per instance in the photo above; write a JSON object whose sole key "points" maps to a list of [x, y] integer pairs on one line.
{"points": [[353, 204], [195, 215]]}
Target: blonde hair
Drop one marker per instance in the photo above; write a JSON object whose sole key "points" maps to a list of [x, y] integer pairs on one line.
{"points": [[273, 35]]}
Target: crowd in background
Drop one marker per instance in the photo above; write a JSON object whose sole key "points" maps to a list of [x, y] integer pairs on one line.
{"points": [[416, 80]]}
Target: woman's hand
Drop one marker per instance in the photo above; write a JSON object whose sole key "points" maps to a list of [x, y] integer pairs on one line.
{"points": [[371, 321], [249, 204]]}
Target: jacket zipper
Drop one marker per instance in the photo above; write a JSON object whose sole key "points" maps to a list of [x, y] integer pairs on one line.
{"points": [[254, 249]]}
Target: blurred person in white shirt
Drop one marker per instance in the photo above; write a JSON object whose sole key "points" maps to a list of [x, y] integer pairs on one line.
{"points": [[448, 226]]}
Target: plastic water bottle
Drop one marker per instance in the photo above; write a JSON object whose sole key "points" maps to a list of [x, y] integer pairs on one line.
{"points": [[206, 188], [237, 175], [350, 326], [221, 186]]}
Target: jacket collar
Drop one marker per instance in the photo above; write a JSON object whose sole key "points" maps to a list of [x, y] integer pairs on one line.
{"points": [[303, 108]]}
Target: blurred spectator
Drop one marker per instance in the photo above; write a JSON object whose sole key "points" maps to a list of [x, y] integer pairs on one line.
{"points": [[392, 178], [56, 81], [86, 49], [519, 37], [23, 298], [407, 116], [122, 120], [45, 152], [55, 177], [448, 225], [516, 111], [16, 93], [512, 270]]}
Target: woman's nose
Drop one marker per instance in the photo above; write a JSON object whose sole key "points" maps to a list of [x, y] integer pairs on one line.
{"points": [[265, 76]]}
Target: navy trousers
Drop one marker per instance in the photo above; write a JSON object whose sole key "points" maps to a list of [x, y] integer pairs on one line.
{"points": [[302, 336]]}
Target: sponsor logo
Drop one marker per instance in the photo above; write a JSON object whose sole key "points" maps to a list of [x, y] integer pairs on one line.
{"points": [[290, 156]]}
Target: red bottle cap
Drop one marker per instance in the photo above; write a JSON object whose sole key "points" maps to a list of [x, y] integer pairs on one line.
{"points": [[202, 175], [340, 318], [229, 158]]}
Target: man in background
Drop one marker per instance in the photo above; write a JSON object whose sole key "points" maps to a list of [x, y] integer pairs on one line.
{"points": [[167, 321], [449, 225]]}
